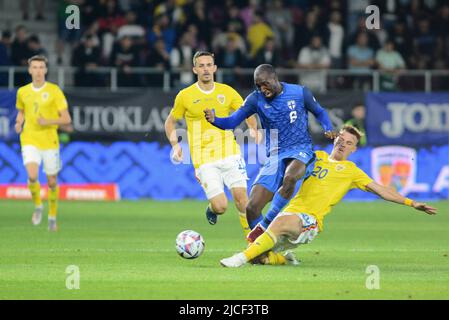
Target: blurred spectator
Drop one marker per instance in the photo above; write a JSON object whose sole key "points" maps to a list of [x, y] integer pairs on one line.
{"points": [[281, 20], [181, 57], [248, 12], [236, 20], [424, 41], [200, 20], [131, 28], [109, 22], [402, 38], [87, 58], [304, 32], [35, 47], [389, 61], [336, 39], [39, 6], [5, 44], [124, 56], [258, 32], [230, 57], [220, 40], [20, 55], [268, 54], [358, 121], [361, 58], [314, 56], [162, 30], [172, 10], [159, 58], [372, 38]]}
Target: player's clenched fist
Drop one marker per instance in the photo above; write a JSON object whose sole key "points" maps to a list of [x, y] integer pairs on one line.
{"points": [[331, 134], [18, 127], [177, 153], [210, 115]]}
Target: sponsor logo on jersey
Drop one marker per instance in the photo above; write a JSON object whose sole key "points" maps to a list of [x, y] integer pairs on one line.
{"points": [[339, 167], [45, 96]]}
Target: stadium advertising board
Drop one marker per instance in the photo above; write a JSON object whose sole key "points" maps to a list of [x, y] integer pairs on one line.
{"points": [[415, 119], [139, 115], [7, 115], [92, 191]]}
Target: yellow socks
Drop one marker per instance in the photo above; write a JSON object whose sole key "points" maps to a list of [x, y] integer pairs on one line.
{"points": [[35, 189], [53, 195], [264, 242], [244, 223], [275, 258]]}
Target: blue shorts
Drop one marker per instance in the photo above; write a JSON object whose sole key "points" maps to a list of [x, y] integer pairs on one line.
{"points": [[271, 174]]}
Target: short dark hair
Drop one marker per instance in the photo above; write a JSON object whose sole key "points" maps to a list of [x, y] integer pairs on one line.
{"points": [[265, 68], [352, 130], [38, 58], [202, 54]]}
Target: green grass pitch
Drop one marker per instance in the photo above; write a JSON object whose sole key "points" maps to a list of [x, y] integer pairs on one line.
{"points": [[125, 250]]}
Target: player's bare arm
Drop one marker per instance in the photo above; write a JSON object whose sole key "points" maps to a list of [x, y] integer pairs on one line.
{"points": [[170, 132], [64, 119], [392, 195], [19, 122]]}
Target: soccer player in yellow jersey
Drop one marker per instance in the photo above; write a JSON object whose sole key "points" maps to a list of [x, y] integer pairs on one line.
{"points": [[301, 221], [42, 107], [214, 152]]}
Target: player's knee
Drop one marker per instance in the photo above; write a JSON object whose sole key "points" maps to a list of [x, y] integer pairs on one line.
{"points": [[219, 208], [32, 178], [52, 182]]}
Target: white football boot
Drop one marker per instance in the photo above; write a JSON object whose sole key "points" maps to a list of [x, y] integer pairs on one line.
{"points": [[37, 215], [237, 260]]}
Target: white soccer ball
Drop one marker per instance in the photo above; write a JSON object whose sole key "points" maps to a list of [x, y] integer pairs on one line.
{"points": [[189, 244]]}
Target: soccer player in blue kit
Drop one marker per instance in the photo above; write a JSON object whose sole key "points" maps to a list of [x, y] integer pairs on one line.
{"points": [[283, 112]]}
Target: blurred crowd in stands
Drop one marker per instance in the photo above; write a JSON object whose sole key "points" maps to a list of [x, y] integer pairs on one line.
{"points": [[301, 34]]}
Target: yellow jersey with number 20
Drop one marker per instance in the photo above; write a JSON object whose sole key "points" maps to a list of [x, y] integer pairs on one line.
{"points": [[327, 185], [44, 102]]}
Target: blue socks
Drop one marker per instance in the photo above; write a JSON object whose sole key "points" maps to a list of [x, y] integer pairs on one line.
{"points": [[254, 223], [277, 204]]}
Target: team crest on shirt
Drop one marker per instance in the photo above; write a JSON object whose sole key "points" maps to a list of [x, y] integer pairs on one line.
{"points": [[339, 167], [291, 104], [45, 96], [221, 98]]}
